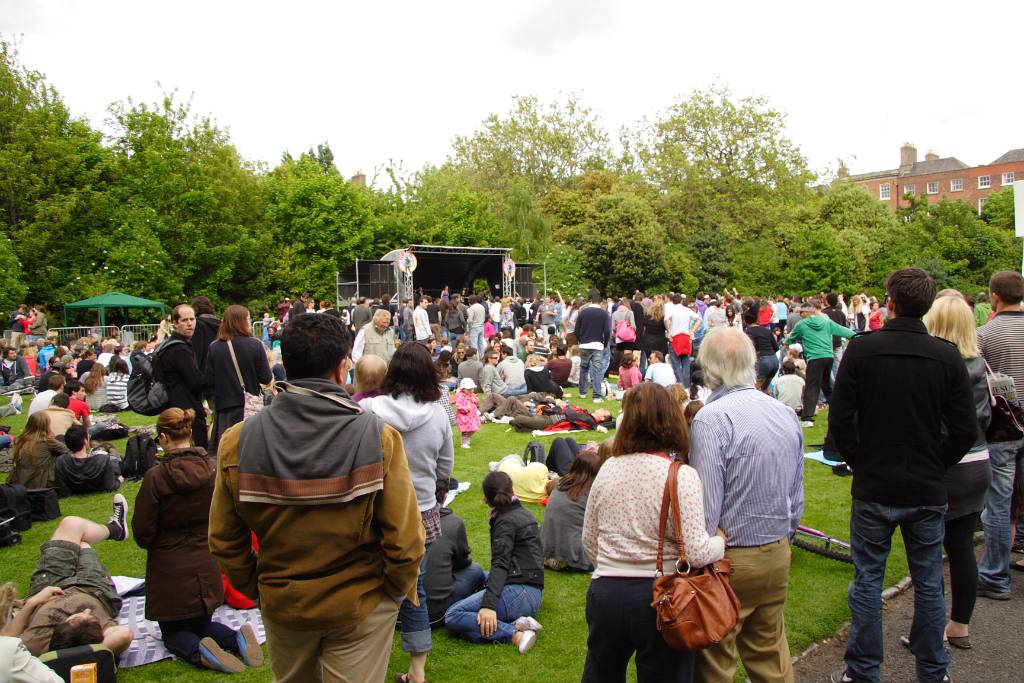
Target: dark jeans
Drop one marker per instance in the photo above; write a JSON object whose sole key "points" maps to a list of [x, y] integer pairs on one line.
{"points": [[817, 379], [200, 437], [963, 567], [621, 622], [561, 454], [871, 528], [415, 620], [767, 366], [466, 581], [182, 637], [680, 366]]}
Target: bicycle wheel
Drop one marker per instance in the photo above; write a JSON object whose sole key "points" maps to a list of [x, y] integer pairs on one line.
{"points": [[826, 546]]}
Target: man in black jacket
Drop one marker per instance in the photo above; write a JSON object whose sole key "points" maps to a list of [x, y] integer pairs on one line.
{"points": [[451, 575], [175, 365], [902, 413]]}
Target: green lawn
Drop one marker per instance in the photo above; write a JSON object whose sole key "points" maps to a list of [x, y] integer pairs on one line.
{"points": [[815, 609]]}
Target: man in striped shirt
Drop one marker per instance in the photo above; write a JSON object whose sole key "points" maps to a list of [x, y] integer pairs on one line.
{"points": [[748, 450], [1001, 343]]}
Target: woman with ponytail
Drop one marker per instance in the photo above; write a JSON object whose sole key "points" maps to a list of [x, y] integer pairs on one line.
{"points": [[503, 612], [183, 583]]}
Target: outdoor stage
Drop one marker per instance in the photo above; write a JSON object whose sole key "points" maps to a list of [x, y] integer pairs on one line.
{"points": [[436, 267]]}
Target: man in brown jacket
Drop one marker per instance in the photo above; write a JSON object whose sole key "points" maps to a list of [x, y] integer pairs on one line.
{"points": [[326, 489]]}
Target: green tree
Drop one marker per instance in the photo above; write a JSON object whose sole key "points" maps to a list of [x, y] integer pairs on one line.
{"points": [[999, 209], [565, 272], [622, 244], [12, 284], [545, 145]]}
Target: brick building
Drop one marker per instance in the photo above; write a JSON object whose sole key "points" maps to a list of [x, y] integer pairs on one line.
{"points": [[941, 178]]}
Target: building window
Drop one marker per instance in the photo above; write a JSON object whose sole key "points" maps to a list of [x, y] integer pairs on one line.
{"points": [[1008, 178], [884, 191], [981, 204], [909, 190], [984, 182], [956, 185], [933, 187]]}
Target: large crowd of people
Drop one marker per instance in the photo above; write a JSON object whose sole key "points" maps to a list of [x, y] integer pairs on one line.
{"points": [[330, 438]]}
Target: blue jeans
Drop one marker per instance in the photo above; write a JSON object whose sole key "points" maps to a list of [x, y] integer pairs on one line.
{"points": [[767, 366], [680, 366], [517, 600], [477, 341], [590, 371], [871, 529], [994, 568], [517, 390], [416, 620], [5, 441]]}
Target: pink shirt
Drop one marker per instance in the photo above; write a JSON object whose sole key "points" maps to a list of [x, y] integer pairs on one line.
{"points": [[629, 377]]}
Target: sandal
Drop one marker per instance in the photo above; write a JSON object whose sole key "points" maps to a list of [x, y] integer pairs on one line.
{"points": [[403, 678]]}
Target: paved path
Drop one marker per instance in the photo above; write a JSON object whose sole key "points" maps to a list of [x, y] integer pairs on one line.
{"points": [[997, 632]]}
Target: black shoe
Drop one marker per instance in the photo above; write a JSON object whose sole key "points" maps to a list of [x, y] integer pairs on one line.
{"points": [[992, 593], [118, 524]]}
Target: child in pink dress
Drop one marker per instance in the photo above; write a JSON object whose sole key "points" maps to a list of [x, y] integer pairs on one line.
{"points": [[467, 415]]}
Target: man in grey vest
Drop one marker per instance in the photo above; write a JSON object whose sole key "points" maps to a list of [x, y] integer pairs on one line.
{"points": [[375, 338]]}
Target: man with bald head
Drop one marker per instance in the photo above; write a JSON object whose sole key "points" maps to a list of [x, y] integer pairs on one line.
{"points": [[375, 338], [748, 450]]}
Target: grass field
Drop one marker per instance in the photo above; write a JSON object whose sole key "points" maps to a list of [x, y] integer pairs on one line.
{"points": [[815, 608]]}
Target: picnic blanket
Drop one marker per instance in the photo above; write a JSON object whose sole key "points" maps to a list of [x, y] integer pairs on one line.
{"points": [[462, 488], [819, 456], [147, 643]]}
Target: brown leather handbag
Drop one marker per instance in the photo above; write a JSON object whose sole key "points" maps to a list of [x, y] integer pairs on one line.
{"points": [[696, 608]]}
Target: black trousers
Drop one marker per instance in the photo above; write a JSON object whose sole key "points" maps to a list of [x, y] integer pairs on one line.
{"points": [[561, 454], [963, 567], [182, 637], [621, 622], [200, 437], [818, 379]]}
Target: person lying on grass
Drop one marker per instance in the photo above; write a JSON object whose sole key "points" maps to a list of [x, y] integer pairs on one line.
{"points": [[76, 602]]}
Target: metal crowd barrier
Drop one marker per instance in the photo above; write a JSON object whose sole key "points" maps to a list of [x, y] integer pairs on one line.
{"points": [[67, 336], [133, 333]]}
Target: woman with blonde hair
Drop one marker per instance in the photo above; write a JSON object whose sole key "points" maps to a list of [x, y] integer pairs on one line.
{"points": [[183, 582], [653, 337], [966, 482], [35, 453], [96, 388], [507, 317]]}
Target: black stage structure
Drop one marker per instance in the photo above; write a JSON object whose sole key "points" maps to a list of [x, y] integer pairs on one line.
{"points": [[436, 267]]}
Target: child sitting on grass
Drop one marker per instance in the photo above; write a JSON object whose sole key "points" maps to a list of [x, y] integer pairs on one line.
{"points": [[369, 375], [629, 374]]}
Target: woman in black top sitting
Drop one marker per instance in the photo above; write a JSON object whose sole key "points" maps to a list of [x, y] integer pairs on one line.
{"points": [[503, 612]]}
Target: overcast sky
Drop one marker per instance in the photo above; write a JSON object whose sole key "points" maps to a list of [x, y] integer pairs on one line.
{"points": [[398, 80]]}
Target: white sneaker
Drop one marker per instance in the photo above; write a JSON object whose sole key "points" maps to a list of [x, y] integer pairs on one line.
{"points": [[527, 624], [598, 400], [465, 445], [806, 424], [527, 641]]}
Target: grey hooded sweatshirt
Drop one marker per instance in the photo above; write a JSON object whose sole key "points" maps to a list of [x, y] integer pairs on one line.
{"points": [[427, 437]]}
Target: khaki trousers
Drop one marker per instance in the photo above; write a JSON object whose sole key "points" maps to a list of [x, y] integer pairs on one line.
{"points": [[359, 652], [760, 579]]}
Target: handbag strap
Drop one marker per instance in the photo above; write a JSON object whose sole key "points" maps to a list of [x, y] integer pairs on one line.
{"points": [[238, 371], [670, 498]]}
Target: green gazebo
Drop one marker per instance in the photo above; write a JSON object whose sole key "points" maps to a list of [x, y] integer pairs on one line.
{"points": [[112, 300]]}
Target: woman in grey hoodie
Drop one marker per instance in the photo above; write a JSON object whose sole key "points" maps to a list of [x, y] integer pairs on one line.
{"points": [[407, 403]]}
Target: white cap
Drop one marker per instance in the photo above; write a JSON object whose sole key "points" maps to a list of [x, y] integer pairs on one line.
{"points": [[797, 347], [467, 383]]}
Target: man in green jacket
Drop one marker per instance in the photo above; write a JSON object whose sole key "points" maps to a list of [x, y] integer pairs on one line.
{"points": [[815, 332]]}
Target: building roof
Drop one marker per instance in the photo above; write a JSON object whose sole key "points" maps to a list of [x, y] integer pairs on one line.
{"points": [[1010, 157], [935, 166], [874, 175]]}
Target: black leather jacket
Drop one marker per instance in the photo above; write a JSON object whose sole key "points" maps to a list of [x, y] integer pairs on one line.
{"points": [[517, 555], [982, 400]]}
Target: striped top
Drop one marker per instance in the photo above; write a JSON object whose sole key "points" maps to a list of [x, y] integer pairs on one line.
{"points": [[748, 450], [1001, 344], [117, 390]]}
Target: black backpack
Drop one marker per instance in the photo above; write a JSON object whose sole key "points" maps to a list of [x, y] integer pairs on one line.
{"points": [[139, 456], [534, 453], [147, 394], [15, 513]]}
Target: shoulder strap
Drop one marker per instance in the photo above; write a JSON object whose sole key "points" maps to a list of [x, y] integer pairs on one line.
{"points": [[234, 361], [669, 497]]}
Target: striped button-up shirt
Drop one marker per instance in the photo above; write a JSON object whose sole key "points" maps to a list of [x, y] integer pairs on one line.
{"points": [[748, 450]]}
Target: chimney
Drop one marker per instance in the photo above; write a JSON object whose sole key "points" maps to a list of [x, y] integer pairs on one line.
{"points": [[908, 155], [931, 156], [359, 179]]}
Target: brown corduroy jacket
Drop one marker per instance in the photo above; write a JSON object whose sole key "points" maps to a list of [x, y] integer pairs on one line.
{"points": [[320, 566]]}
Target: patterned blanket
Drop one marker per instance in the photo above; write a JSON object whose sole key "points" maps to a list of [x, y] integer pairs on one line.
{"points": [[148, 647]]}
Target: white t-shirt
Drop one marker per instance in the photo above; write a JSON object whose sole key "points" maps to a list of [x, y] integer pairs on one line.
{"points": [[661, 373], [680, 319]]}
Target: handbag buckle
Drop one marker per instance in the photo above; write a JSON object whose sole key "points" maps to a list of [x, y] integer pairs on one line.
{"points": [[680, 571]]}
